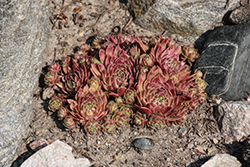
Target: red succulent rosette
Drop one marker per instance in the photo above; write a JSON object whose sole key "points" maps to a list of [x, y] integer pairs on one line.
{"points": [[115, 69], [89, 105], [157, 95], [73, 81]]}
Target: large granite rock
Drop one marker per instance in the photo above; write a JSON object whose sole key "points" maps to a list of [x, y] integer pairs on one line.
{"points": [[234, 120], [240, 15], [225, 62], [24, 30], [186, 18]]}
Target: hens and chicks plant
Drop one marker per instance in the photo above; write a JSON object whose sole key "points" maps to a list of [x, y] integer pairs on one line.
{"points": [[123, 80]]}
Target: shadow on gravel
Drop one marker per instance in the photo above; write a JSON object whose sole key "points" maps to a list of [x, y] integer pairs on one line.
{"points": [[18, 162], [240, 150], [199, 163]]}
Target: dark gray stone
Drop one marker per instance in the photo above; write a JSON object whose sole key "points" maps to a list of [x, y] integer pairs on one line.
{"points": [[182, 131], [225, 62], [186, 19], [24, 31], [143, 144]]}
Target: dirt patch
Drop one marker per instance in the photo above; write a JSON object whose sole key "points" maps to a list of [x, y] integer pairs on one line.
{"points": [[75, 22]]}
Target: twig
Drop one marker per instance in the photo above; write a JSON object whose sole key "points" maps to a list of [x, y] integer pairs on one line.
{"points": [[65, 7], [54, 23], [98, 19], [54, 55], [127, 24], [115, 159]]}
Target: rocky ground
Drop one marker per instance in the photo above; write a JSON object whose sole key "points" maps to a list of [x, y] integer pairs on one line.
{"points": [[190, 143]]}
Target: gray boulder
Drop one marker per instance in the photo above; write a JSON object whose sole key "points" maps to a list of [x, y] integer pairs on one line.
{"points": [[24, 31], [186, 18], [225, 62]]}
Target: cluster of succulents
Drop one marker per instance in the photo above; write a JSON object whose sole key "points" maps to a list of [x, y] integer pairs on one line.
{"points": [[123, 80]]}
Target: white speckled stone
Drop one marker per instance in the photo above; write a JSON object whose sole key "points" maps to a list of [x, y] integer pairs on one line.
{"points": [[222, 160], [57, 154]]}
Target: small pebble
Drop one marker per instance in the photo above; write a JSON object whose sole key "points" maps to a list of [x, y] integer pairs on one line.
{"points": [[143, 144], [47, 93], [182, 131], [218, 101], [199, 149], [49, 141], [80, 32], [37, 133], [211, 150], [111, 2], [77, 10], [38, 144], [116, 29], [190, 145], [215, 141], [179, 149]]}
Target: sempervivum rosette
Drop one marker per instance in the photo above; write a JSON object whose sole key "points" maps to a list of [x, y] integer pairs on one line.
{"points": [[139, 119], [89, 106], [189, 53], [115, 69], [196, 86], [72, 81], [56, 103], [166, 55], [157, 96], [52, 77]]}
